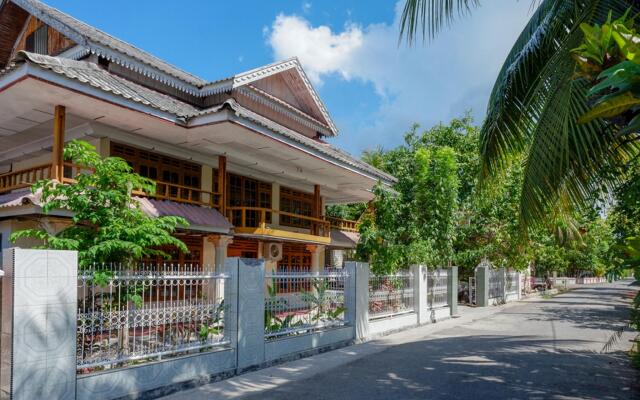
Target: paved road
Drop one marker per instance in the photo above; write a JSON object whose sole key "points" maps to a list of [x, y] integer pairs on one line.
{"points": [[540, 349]]}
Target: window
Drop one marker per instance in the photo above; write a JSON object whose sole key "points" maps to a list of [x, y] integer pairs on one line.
{"points": [[174, 176], [295, 258], [295, 202], [38, 41], [247, 192]]}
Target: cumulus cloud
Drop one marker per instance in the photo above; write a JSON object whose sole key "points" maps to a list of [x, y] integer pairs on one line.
{"points": [[321, 51], [425, 83]]}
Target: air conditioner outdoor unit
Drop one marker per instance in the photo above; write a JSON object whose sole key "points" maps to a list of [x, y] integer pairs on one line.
{"points": [[273, 251]]}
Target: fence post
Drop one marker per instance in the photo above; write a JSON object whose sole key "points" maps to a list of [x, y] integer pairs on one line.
{"points": [[452, 290], [419, 273], [358, 303], [249, 298], [482, 285], [39, 317], [519, 284]]}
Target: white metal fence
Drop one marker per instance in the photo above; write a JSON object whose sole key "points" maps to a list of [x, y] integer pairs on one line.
{"points": [[130, 315], [391, 294], [437, 282], [297, 303]]}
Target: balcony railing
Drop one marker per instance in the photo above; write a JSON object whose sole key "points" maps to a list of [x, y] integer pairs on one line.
{"points": [[24, 178], [343, 224], [258, 217], [241, 217]]}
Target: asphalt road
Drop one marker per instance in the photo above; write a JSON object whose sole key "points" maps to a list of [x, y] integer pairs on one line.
{"points": [[540, 349]]}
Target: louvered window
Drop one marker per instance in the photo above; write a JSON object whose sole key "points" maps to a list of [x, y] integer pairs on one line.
{"points": [[38, 41]]}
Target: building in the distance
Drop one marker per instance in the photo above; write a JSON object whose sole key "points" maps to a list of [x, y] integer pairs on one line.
{"points": [[242, 158]]}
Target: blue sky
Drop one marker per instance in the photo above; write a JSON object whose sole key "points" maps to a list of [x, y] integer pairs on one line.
{"points": [[374, 89]]}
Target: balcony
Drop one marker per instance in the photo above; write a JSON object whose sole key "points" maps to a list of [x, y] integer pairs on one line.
{"points": [[258, 221], [164, 190], [254, 221], [345, 225]]}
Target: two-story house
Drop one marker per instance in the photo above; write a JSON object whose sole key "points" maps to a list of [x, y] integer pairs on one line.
{"points": [[243, 159]]}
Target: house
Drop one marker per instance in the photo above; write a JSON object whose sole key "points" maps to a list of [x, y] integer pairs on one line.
{"points": [[244, 158]]}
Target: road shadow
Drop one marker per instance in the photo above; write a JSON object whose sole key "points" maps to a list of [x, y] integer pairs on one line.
{"points": [[496, 367]]}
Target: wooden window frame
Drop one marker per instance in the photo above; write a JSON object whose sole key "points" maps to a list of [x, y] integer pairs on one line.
{"points": [[180, 172], [288, 199]]}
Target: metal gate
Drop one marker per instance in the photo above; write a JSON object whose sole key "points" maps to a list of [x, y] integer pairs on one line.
{"points": [[472, 290]]}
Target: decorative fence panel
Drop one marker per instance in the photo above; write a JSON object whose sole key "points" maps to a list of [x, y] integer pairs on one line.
{"points": [[437, 288], [131, 315], [297, 303], [391, 294], [496, 283]]}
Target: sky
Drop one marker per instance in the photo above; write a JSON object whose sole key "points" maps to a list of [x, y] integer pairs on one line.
{"points": [[374, 88]]}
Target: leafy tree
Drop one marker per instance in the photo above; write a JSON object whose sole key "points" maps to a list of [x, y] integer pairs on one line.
{"points": [[107, 224], [536, 104], [416, 222]]}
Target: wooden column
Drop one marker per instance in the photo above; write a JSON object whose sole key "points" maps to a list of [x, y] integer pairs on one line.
{"points": [[222, 183], [57, 162], [317, 205]]}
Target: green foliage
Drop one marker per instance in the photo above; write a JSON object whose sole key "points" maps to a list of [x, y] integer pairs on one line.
{"points": [[416, 223], [107, 223], [346, 211]]}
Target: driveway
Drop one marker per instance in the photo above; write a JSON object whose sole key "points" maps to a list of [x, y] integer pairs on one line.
{"points": [[534, 349]]}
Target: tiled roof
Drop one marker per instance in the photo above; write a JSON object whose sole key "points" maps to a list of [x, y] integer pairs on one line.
{"points": [[347, 240], [90, 35], [91, 74], [196, 215], [320, 146]]}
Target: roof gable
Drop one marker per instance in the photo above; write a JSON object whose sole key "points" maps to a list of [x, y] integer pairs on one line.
{"points": [[285, 80]]}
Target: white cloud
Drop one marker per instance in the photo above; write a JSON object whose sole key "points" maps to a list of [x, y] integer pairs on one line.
{"points": [[426, 83], [321, 51]]}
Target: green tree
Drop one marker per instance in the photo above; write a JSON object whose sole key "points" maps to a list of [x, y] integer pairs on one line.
{"points": [[416, 222], [107, 223], [536, 103]]}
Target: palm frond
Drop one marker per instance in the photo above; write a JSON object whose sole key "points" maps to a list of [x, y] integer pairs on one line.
{"points": [[535, 106], [428, 17]]}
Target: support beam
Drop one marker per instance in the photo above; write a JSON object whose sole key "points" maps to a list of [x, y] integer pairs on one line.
{"points": [[317, 212], [222, 183], [57, 162]]}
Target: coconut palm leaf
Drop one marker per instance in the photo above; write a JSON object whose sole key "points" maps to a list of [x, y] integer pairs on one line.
{"points": [[536, 103], [535, 107], [428, 17]]}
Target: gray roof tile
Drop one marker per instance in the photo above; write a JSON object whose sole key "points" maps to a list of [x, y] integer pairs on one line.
{"points": [[93, 75]]}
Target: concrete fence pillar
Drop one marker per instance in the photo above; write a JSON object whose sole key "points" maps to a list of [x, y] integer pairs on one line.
{"points": [[39, 316], [420, 276], [452, 290], [358, 301], [482, 285], [245, 295]]}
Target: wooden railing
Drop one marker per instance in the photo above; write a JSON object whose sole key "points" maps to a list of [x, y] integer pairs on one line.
{"points": [[24, 178], [258, 217], [186, 194], [164, 190], [343, 224]]}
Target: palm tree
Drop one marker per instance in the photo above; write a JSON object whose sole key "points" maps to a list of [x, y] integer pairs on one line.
{"points": [[536, 102]]}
